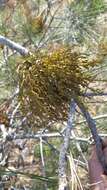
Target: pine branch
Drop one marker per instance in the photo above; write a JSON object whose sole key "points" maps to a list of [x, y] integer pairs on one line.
{"points": [[13, 45], [92, 125], [63, 183]]}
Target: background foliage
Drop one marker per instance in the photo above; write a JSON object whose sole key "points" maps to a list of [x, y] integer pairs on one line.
{"points": [[68, 43]]}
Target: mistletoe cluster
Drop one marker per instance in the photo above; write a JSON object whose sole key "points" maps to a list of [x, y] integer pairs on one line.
{"points": [[48, 81]]}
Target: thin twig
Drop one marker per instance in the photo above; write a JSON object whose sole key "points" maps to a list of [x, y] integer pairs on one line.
{"points": [[91, 94], [13, 113], [43, 162], [79, 149], [14, 136], [95, 118]]}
